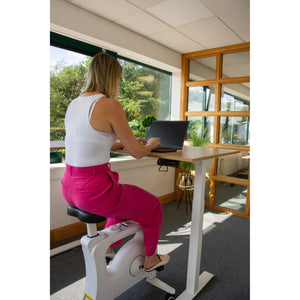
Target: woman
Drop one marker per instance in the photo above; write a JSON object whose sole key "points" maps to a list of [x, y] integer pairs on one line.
{"points": [[93, 122]]}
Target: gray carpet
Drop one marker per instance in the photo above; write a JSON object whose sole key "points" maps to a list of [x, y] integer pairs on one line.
{"points": [[225, 253]]}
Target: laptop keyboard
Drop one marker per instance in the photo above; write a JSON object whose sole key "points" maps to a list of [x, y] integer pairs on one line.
{"points": [[163, 150]]}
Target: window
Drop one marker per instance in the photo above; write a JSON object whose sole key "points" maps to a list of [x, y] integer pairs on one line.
{"points": [[216, 100], [143, 91], [234, 130], [67, 73], [201, 98]]}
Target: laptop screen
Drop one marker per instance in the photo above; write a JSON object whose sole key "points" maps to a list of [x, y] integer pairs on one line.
{"points": [[171, 133]]}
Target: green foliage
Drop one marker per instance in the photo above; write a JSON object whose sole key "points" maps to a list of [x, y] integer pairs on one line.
{"points": [[142, 92], [66, 83], [147, 121], [225, 127], [141, 129], [198, 137]]}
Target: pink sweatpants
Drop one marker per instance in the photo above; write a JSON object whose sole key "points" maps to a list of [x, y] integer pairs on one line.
{"points": [[97, 190]]}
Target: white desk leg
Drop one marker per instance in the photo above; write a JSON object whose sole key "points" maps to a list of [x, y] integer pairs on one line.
{"points": [[194, 283]]}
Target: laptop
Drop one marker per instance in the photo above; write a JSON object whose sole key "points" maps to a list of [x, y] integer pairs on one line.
{"points": [[171, 134]]}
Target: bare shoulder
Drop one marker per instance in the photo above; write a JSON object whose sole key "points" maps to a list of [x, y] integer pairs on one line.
{"points": [[109, 103]]}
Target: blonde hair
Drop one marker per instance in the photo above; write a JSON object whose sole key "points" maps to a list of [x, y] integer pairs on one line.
{"points": [[102, 76]]}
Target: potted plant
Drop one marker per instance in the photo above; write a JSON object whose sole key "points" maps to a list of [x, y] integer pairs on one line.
{"points": [[185, 179]]}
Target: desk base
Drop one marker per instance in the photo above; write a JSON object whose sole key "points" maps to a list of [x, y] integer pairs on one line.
{"points": [[204, 278]]}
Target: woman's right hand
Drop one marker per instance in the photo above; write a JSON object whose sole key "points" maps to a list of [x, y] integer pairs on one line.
{"points": [[154, 142]]}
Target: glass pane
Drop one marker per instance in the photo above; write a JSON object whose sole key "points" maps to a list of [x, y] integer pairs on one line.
{"points": [[67, 75], [235, 97], [144, 91], [200, 130], [202, 68], [236, 165], [236, 64], [231, 196], [235, 130], [201, 98]]}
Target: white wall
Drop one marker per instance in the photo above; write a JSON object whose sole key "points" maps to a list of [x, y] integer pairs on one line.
{"points": [[143, 173]]}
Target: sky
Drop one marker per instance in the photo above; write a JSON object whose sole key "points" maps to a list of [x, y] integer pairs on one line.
{"points": [[69, 57]]}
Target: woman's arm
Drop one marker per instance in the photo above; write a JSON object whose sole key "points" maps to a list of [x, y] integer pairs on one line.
{"points": [[108, 115], [116, 146], [136, 147]]}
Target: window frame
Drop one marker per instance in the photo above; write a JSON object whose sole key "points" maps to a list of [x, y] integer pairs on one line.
{"points": [[217, 114], [67, 43]]}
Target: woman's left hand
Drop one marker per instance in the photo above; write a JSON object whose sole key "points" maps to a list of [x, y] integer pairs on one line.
{"points": [[141, 141]]}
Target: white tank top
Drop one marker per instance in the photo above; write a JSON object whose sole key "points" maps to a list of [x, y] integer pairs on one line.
{"points": [[85, 146]]}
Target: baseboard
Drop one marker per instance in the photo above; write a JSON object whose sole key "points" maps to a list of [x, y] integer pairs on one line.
{"points": [[69, 231], [166, 198], [74, 229]]}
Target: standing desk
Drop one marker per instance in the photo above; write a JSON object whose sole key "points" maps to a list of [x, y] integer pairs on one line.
{"points": [[201, 156]]}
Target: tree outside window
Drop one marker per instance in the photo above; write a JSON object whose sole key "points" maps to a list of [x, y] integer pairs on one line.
{"points": [[143, 91]]}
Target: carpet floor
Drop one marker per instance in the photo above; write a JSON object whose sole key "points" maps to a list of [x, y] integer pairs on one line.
{"points": [[225, 253]]}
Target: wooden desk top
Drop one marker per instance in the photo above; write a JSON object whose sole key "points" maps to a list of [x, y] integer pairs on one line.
{"points": [[190, 154]]}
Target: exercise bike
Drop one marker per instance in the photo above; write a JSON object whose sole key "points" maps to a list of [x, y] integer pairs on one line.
{"points": [[107, 280]]}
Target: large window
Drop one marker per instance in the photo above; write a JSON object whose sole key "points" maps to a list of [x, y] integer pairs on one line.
{"points": [[67, 75], [215, 91], [143, 91]]}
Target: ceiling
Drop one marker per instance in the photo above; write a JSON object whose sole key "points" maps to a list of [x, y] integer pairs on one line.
{"points": [[182, 25]]}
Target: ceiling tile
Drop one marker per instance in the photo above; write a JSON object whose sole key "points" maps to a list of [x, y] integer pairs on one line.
{"points": [[145, 3], [224, 7], [176, 41], [111, 10], [245, 36], [178, 12], [143, 23], [210, 33], [238, 21]]}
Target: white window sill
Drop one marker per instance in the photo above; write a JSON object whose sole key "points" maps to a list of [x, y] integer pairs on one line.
{"points": [[119, 163]]}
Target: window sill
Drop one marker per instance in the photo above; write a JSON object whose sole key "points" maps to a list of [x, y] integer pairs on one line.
{"points": [[118, 163]]}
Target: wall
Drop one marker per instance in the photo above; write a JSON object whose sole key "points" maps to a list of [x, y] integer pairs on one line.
{"points": [[143, 173]]}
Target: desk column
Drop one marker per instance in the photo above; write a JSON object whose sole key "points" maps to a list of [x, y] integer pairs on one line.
{"points": [[195, 283]]}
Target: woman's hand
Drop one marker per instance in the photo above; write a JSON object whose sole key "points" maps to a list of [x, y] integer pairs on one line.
{"points": [[141, 141], [154, 142]]}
